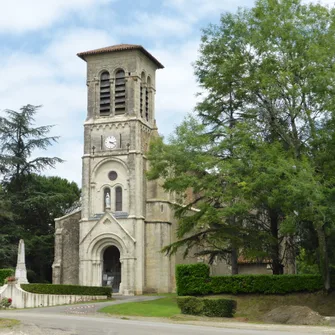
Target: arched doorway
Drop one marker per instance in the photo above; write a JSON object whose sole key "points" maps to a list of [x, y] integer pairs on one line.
{"points": [[111, 273]]}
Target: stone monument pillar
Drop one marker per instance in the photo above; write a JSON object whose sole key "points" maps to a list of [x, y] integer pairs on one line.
{"points": [[21, 271]]}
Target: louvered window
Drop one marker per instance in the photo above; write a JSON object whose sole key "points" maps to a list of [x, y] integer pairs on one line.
{"points": [[147, 99], [141, 100], [105, 94], [142, 90], [118, 199], [120, 92]]}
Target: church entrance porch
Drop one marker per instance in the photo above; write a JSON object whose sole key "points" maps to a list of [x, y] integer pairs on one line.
{"points": [[111, 273]]}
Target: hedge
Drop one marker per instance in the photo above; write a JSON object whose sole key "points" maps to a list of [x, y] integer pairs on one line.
{"points": [[67, 289], [4, 273], [194, 279], [207, 307]]}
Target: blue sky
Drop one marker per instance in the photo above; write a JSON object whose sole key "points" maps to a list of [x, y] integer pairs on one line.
{"points": [[39, 40]]}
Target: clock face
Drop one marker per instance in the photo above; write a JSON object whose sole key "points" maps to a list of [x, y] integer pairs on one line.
{"points": [[110, 142]]}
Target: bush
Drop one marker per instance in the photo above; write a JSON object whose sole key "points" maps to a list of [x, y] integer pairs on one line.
{"points": [[207, 307], [219, 307], [4, 273], [190, 305], [5, 303], [194, 279], [67, 289]]}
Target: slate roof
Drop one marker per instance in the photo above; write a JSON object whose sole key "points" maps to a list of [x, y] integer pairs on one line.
{"points": [[120, 47]]}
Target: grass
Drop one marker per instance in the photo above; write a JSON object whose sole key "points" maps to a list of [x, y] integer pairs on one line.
{"points": [[165, 307], [249, 307], [89, 302], [253, 307], [6, 323]]}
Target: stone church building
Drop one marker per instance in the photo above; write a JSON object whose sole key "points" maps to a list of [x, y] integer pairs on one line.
{"points": [[115, 235]]}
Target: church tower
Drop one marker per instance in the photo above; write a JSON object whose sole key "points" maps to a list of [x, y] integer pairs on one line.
{"points": [[124, 220]]}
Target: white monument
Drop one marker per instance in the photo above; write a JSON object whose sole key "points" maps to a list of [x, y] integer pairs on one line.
{"points": [[21, 271]]}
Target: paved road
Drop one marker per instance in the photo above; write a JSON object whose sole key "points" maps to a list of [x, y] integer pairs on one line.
{"points": [[64, 320]]}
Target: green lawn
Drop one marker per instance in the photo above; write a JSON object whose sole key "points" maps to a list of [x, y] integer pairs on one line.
{"points": [[164, 307], [249, 307]]}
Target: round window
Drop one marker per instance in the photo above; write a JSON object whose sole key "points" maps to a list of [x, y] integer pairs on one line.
{"points": [[112, 175]]}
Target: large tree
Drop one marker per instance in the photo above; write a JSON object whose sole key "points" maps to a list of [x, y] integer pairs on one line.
{"points": [[29, 202], [268, 79], [18, 140]]}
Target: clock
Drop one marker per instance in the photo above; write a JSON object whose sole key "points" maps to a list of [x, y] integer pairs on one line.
{"points": [[110, 142]]}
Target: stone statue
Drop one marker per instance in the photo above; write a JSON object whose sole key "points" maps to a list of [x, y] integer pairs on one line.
{"points": [[108, 201], [21, 271]]}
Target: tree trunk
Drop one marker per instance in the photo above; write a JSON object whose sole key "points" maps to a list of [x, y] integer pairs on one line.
{"points": [[324, 261], [277, 267], [234, 265]]}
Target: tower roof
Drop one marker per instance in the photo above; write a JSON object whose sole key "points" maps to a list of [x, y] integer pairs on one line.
{"points": [[120, 47]]}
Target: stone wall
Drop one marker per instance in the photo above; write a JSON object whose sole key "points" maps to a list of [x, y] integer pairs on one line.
{"points": [[66, 263], [23, 299]]}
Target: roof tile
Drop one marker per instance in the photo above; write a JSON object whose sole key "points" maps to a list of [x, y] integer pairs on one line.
{"points": [[120, 47]]}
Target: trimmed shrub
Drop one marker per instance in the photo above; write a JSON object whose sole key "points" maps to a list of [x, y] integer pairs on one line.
{"points": [[67, 289], [4, 273], [194, 279], [190, 305], [219, 307], [207, 307]]}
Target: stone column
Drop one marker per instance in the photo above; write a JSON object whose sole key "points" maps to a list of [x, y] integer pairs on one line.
{"points": [[127, 275], [56, 266]]}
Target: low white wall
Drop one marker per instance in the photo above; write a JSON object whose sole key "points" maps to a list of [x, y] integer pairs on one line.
{"points": [[23, 299]]}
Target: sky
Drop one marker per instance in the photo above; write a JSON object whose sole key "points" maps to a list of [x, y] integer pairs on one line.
{"points": [[39, 40]]}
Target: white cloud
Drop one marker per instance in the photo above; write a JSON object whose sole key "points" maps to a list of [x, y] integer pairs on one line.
{"points": [[176, 85], [66, 44], [156, 25], [196, 10], [26, 15], [54, 78], [71, 153], [321, 2]]}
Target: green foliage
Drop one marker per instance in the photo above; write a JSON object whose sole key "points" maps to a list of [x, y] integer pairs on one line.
{"points": [[265, 284], [4, 273], [198, 275], [306, 263], [258, 153], [5, 303], [18, 140], [190, 305], [29, 203], [67, 289], [207, 307], [191, 280]]}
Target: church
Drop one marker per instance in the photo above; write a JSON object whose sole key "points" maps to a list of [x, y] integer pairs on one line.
{"points": [[114, 236]]}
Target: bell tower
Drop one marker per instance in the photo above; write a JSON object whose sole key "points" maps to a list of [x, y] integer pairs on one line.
{"points": [[117, 242], [120, 118]]}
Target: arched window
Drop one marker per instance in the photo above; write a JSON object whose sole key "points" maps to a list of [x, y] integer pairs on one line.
{"points": [[107, 199], [147, 99], [118, 199], [120, 92], [105, 94], [142, 89]]}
